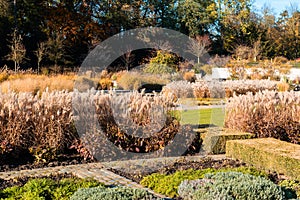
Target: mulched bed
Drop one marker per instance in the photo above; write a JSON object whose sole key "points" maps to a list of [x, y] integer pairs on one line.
{"points": [[23, 180], [196, 165], [28, 163]]}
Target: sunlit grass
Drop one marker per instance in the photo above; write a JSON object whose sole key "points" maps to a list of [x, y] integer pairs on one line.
{"points": [[202, 116]]}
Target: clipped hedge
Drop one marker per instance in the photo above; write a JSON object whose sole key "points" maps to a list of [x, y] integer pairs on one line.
{"points": [[214, 140], [230, 185], [116, 193], [267, 153], [168, 184]]}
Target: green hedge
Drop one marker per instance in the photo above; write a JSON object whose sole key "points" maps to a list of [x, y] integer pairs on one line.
{"points": [[214, 140], [267, 153], [46, 188]]}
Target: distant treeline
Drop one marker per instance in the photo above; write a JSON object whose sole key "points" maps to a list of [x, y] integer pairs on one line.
{"points": [[44, 33]]}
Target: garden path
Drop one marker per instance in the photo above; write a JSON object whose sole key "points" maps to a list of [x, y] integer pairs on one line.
{"points": [[100, 172]]}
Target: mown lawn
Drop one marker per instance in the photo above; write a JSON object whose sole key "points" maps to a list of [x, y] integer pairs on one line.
{"points": [[203, 116]]}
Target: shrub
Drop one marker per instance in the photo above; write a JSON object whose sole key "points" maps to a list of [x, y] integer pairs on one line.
{"points": [[45, 122], [156, 68], [219, 61], [201, 90], [168, 184], [283, 87], [291, 188], [37, 120], [134, 80], [179, 89], [105, 84], [122, 115], [187, 188], [47, 188], [266, 114], [230, 185], [241, 87], [189, 76], [3, 76], [267, 153], [162, 63], [116, 193], [130, 81]]}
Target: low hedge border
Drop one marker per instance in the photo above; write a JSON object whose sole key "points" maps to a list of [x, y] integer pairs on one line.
{"points": [[268, 154], [214, 139]]}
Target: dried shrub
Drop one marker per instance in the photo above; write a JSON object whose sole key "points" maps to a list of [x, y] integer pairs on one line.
{"points": [[44, 123], [121, 116], [178, 89], [3, 76], [241, 87], [266, 114], [189, 76], [36, 120], [282, 87], [219, 61]]}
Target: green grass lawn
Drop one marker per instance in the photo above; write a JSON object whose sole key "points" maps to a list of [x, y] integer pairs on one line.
{"points": [[203, 116]]}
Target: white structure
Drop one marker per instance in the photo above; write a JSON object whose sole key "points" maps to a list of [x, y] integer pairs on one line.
{"points": [[220, 73], [294, 74], [224, 73]]}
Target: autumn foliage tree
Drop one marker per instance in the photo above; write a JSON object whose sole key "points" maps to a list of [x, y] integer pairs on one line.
{"points": [[85, 23]]}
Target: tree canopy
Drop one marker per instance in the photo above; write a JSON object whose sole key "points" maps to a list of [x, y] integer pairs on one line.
{"points": [[78, 26]]}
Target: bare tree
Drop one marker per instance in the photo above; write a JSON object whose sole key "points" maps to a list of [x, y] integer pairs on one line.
{"points": [[242, 52], [256, 50], [40, 53], [55, 50], [128, 58], [17, 50], [199, 46], [163, 45]]}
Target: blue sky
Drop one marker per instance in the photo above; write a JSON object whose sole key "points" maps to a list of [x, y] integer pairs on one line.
{"points": [[277, 5]]}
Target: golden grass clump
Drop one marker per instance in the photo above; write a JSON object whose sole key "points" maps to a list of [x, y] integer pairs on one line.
{"points": [[134, 80], [124, 117], [241, 87], [36, 120], [33, 83], [46, 119], [266, 114]]}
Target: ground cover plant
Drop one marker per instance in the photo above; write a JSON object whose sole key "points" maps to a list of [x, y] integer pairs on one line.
{"points": [[230, 185], [47, 188], [167, 184], [117, 193]]}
